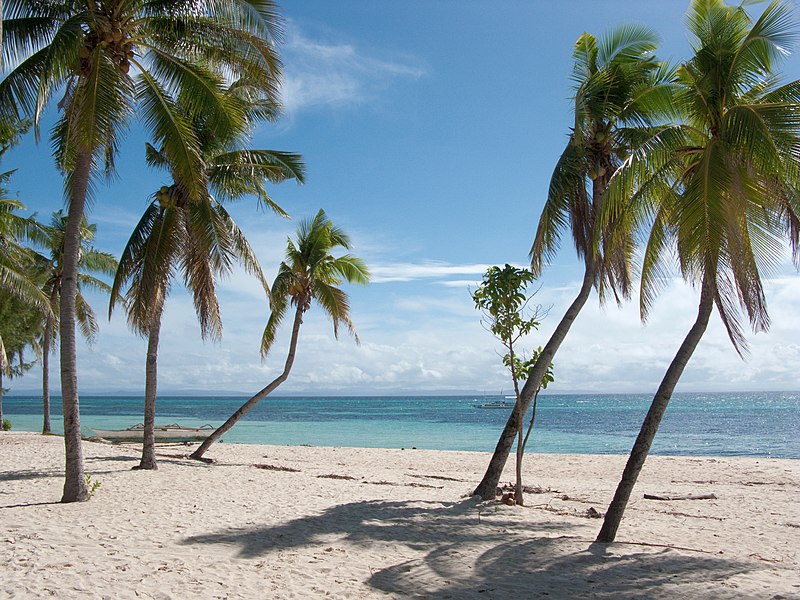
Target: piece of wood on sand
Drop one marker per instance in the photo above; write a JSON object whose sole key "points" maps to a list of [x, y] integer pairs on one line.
{"points": [[680, 497]]}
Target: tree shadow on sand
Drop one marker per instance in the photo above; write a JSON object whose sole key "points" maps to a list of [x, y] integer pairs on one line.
{"points": [[420, 525], [491, 557], [560, 567], [24, 474]]}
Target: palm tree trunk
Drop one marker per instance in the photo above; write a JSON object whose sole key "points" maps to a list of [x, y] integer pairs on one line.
{"points": [[487, 488], [75, 489], [245, 408], [148, 460], [1, 398], [641, 447], [48, 336]]}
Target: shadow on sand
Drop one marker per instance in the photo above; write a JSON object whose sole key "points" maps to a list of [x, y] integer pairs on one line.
{"points": [[495, 558]]}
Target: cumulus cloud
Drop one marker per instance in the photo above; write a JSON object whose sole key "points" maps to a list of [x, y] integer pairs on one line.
{"points": [[428, 339]]}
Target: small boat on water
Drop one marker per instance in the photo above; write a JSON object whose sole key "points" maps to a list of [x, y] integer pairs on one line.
{"points": [[162, 433], [496, 404]]}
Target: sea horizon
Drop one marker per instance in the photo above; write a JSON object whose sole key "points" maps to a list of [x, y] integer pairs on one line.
{"points": [[748, 424]]}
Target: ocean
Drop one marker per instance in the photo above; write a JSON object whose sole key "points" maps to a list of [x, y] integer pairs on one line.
{"points": [[754, 424]]}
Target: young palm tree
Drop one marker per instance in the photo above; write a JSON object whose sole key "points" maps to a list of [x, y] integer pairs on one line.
{"points": [[621, 91], [309, 273], [115, 59], [90, 261], [720, 189]]}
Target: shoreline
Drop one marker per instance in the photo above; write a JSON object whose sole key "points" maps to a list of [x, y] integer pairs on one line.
{"points": [[760, 425], [94, 439], [305, 521]]}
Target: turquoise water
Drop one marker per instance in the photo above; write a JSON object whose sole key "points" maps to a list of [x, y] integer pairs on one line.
{"points": [[758, 424]]}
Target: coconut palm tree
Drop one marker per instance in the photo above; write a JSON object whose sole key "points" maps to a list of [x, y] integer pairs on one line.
{"points": [[17, 277], [90, 261], [196, 239], [20, 330], [17, 280], [621, 92], [310, 272], [114, 59], [719, 189]]}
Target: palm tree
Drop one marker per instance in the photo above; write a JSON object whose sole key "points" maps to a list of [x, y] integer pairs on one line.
{"points": [[115, 59], [90, 261], [720, 189], [199, 239], [20, 329], [16, 261], [621, 90], [309, 273], [17, 278]]}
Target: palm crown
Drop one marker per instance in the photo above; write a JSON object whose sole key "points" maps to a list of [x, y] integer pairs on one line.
{"points": [[90, 261], [198, 237], [720, 187], [113, 56], [621, 91], [310, 272]]}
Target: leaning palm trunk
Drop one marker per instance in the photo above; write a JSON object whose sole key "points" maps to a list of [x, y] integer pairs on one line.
{"points": [[75, 489], [148, 460], [487, 488], [641, 447], [245, 408]]}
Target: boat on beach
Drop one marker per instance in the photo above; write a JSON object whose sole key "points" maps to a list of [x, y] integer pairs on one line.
{"points": [[162, 433]]}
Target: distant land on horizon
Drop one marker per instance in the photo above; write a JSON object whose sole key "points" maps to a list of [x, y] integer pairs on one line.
{"points": [[398, 394]]}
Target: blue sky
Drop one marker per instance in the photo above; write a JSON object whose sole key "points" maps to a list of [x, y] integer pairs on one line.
{"points": [[430, 130]]}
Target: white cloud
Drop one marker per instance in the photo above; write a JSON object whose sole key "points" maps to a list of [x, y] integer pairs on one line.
{"points": [[428, 339], [318, 73], [393, 272]]}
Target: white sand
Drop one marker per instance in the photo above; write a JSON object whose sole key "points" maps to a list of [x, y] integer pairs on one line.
{"points": [[398, 526]]}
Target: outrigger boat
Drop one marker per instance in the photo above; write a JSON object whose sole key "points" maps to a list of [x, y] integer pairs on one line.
{"points": [[162, 433]]}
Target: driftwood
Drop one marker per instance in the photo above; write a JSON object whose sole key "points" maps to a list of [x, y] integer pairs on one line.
{"points": [[687, 497], [277, 468]]}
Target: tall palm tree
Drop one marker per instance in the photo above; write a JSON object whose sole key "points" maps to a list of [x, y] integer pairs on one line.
{"points": [[114, 59], [621, 92], [719, 189], [197, 239], [90, 261], [310, 272]]}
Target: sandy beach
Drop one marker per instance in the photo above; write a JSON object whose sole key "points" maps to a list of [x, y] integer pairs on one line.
{"points": [[307, 522]]}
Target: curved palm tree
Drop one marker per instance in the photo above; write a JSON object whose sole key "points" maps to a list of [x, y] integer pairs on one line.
{"points": [[115, 59], [309, 273], [197, 239], [621, 91], [90, 261], [720, 189]]}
